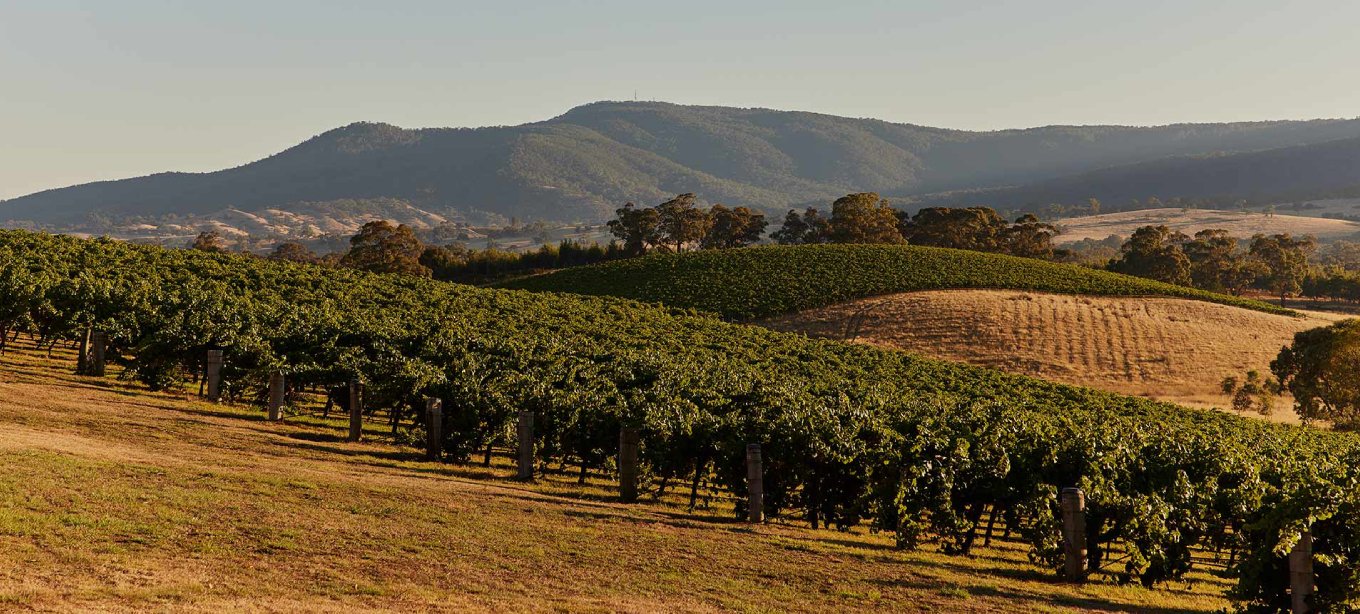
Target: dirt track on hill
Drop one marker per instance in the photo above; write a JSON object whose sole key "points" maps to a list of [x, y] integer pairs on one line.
{"points": [[1170, 349]]}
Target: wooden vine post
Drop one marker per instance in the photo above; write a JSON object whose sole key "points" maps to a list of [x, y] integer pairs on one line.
{"points": [[1301, 574], [214, 375], [99, 341], [755, 483], [356, 411], [83, 359], [1073, 502], [628, 465], [434, 423], [275, 396], [526, 445]]}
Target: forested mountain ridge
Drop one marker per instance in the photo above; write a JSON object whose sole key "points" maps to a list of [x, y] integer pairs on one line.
{"points": [[584, 163], [744, 144], [1302, 171]]}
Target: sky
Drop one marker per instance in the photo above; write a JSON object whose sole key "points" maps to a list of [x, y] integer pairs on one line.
{"points": [[120, 88]]}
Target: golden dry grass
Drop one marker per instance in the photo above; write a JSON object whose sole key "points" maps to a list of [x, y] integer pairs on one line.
{"points": [[113, 499], [1169, 349], [1237, 223]]}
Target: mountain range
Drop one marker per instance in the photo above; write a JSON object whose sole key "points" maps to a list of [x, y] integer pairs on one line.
{"points": [[583, 164]]}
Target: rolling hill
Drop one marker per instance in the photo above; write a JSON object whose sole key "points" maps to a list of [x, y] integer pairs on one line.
{"points": [[1054, 321], [761, 282], [1168, 349], [117, 499], [879, 436], [584, 163]]}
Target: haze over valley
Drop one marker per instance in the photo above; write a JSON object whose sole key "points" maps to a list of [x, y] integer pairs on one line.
{"points": [[580, 166]]}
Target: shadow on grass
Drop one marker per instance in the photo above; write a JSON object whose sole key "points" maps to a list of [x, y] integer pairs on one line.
{"points": [[398, 455], [1022, 600], [1094, 604], [413, 464], [69, 380], [316, 437]]}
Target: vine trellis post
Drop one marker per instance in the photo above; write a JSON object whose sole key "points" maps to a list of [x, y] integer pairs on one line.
{"points": [[275, 395], [628, 464], [99, 341], [434, 423], [1301, 574], [1073, 502], [526, 445], [214, 375], [755, 483], [356, 411]]}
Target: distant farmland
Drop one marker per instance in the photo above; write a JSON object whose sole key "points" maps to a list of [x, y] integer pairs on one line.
{"points": [[1237, 223]]}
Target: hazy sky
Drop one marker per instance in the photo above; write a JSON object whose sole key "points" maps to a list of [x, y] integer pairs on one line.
{"points": [[111, 89]]}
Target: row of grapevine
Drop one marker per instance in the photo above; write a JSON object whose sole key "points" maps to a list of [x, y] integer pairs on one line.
{"points": [[850, 435], [759, 282]]}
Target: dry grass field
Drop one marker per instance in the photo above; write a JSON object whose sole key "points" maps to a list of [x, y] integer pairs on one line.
{"points": [[1237, 223], [1168, 349], [113, 499]]}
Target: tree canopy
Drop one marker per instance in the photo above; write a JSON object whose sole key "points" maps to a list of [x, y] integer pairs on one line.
{"points": [[1287, 259], [639, 229], [1154, 252], [736, 227], [679, 223], [1322, 370], [293, 252], [381, 247]]}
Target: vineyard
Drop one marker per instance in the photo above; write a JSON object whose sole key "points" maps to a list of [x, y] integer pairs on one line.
{"points": [[760, 282], [919, 449]]}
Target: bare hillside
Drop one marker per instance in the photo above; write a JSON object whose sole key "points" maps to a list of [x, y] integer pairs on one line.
{"points": [[1169, 349], [1237, 223]]}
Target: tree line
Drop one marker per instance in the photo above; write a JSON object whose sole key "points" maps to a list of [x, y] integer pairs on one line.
{"points": [[1215, 261], [868, 218], [383, 247], [1210, 260], [677, 225]]}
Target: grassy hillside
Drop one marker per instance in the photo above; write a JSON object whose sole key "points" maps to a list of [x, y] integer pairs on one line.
{"points": [[1168, 349], [117, 499], [766, 281], [590, 160], [853, 437]]}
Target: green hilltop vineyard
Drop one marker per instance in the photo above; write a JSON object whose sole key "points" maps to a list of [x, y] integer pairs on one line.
{"points": [[850, 434], [759, 282]]}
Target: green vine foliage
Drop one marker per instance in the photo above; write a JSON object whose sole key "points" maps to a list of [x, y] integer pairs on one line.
{"points": [[917, 448], [760, 282]]}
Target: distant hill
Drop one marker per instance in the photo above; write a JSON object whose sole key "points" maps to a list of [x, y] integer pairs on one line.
{"points": [[1280, 172], [586, 162], [761, 282]]}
